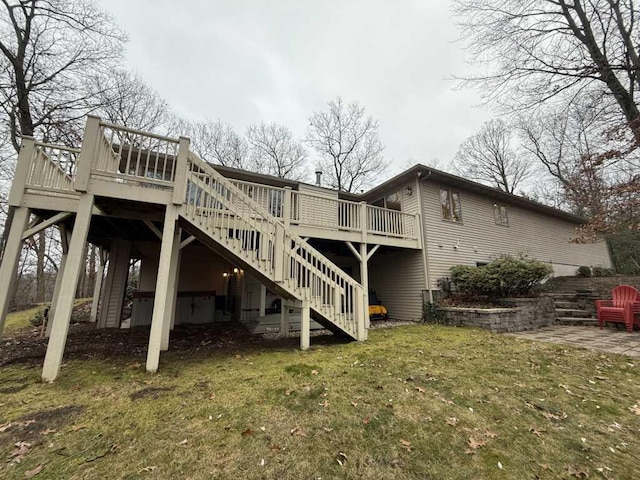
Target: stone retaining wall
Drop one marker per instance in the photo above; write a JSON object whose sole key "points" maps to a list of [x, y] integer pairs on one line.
{"points": [[601, 286], [515, 315]]}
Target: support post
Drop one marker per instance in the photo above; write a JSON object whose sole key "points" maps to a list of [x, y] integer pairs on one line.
{"points": [[263, 301], [64, 242], [66, 295], [10, 260], [284, 319], [97, 288], [21, 175], [287, 198], [161, 301], [278, 261], [364, 281], [305, 326], [174, 269], [85, 160], [181, 167]]}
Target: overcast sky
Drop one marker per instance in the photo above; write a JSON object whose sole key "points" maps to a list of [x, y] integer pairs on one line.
{"points": [[248, 61]]}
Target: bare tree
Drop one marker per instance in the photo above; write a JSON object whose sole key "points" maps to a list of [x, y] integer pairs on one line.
{"points": [[49, 50], [125, 99], [348, 144], [275, 151], [537, 50], [216, 142], [489, 157]]}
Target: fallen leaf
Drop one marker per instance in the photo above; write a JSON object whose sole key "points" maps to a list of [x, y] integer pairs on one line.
{"points": [[355, 404], [635, 409], [544, 466], [577, 471], [405, 444], [150, 468], [5, 426], [298, 432], [314, 372], [553, 416], [212, 396], [475, 444], [327, 429], [324, 404], [537, 431], [48, 431], [184, 442], [34, 472], [500, 466], [246, 432], [490, 434], [75, 428], [366, 420], [22, 448], [341, 459], [275, 448], [420, 390], [453, 421]]}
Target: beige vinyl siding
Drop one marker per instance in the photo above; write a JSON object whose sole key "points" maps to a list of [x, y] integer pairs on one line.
{"points": [[477, 238], [397, 277]]}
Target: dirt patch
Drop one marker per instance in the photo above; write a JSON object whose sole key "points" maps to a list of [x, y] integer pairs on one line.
{"points": [[85, 341], [30, 428], [150, 392], [13, 389]]}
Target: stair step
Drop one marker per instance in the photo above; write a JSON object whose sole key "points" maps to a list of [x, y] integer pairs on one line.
{"points": [[573, 312], [563, 294], [577, 321], [564, 304]]}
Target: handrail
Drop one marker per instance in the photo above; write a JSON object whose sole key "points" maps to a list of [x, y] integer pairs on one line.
{"points": [[138, 132], [265, 242]]}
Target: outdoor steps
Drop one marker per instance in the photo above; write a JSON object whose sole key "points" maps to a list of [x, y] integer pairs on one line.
{"points": [[577, 321], [570, 308], [572, 312]]}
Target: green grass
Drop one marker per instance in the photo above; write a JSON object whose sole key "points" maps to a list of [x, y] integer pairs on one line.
{"points": [[20, 320], [406, 404]]}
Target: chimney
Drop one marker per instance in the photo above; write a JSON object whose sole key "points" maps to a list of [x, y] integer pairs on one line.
{"points": [[318, 177]]}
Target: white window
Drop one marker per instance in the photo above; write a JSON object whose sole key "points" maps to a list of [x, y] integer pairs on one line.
{"points": [[500, 214], [450, 205]]}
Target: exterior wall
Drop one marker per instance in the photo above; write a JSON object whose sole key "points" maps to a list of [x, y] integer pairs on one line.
{"points": [[519, 314], [200, 268], [397, 277], [477, 238]]}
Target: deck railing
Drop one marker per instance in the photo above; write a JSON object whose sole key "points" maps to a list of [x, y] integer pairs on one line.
{"points": [[52, 167], [125, 155]]}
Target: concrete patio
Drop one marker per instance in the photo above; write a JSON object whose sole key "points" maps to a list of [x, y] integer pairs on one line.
{"points": [[607, 340]]}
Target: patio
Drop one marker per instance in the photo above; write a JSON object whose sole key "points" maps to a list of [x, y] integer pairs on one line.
{"points": [[608, 340]]}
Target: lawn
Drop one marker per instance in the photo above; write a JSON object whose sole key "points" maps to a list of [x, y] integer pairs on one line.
{"points": [[412, 402]]}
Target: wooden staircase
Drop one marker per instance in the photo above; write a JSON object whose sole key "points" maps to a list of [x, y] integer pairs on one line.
{"points": [[230, 222]]}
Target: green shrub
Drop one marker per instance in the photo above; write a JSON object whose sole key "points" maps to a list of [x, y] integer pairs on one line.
{"points": [[506, 276], [584, 271], [37, 318], [431, 313], [603, 272]]}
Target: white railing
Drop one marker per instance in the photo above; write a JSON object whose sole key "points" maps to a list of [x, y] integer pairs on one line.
{"points": [[269, 198], [219, 208], [382, 221], [318, 211], [129, 156], [52, 167]]}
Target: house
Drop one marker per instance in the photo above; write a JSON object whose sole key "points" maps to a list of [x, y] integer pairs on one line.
{"points": [[218, 245]]}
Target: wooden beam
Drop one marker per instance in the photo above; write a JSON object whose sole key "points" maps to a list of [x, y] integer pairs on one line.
{"points": [[66, 295], [187, 241], [354, 251], [373, 250], [153, 228], [38, 227]]}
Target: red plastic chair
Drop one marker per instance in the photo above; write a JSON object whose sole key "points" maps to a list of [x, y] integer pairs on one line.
{"points": [[624, 308]]}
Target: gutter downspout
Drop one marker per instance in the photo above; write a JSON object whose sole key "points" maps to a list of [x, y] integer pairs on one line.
{"points": [[425, 243]]}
